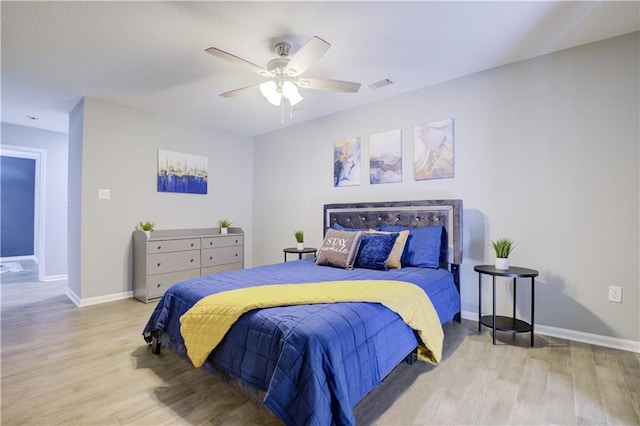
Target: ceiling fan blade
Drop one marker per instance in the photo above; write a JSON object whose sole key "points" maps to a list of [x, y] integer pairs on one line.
{"points": [[236, 60], [329, 85], [238, 92], [307, 56]]}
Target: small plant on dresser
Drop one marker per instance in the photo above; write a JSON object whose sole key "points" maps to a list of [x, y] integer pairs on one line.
{"points": [[146, 227], [224, 225]]}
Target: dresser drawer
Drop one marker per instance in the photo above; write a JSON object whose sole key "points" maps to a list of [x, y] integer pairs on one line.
{"points": [[222, 256], [215, 242], [171, 262], [221, 268], [166, 246], [158, 284]]}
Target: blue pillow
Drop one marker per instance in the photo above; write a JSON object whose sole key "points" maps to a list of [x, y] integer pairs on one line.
{"points": [[423, 245], [375, 250], [339, 227]]}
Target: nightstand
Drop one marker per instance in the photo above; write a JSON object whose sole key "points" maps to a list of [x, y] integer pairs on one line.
{"points": [[498, 322], [294, 250]]}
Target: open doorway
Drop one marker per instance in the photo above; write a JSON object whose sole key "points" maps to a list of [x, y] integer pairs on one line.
{"points": [[22, 217]]}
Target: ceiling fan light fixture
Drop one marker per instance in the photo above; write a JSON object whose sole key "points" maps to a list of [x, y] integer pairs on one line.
{"points": [[275, 99], [269, 90], [291, 93], [296, 99]]}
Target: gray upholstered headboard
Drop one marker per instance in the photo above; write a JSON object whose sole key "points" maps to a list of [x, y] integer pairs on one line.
{"points": [[404, 213]]}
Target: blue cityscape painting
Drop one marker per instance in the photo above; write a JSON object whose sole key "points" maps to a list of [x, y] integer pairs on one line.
{"points": [[178, 172]]}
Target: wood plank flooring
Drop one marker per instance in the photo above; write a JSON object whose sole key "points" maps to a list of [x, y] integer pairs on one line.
{"points": [[29, 272], [63, 365]]}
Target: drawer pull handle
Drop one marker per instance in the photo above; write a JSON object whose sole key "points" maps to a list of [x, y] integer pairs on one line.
{"points": [[210, 257], [159, 285], [236, 254], [211, 243], [158, 264], [191, 260], [159, 247], [191, 244]]}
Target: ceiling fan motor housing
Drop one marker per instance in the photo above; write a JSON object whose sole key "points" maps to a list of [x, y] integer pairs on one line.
{"points": [[277, 65], [283, 49]]}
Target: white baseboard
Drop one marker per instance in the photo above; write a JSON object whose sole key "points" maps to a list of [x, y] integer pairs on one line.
{"points": [[18, 258], [72, 296], [577, 336], [593, 339], [97, 300], [48, 278]]}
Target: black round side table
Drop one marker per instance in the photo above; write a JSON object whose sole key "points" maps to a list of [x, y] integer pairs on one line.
{"points": [[498, 322], [299, 252]]}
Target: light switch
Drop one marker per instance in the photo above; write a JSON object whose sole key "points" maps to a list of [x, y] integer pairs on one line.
{"points": [[104, 194]]}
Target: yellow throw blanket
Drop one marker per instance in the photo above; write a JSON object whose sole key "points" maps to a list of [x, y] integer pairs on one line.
{"points": [[204, 325]]}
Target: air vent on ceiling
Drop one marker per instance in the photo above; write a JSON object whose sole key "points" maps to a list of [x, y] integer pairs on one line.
{"points": [[381, 83]]}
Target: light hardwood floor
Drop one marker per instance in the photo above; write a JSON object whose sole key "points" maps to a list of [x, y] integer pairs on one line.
{"points": [[29, 272], [63, 365]]}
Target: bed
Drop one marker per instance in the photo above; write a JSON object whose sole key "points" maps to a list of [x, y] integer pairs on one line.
{"points": [[310, 364]]}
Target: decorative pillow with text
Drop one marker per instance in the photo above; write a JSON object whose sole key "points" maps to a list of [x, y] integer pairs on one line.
{"points": [[339, 249]]}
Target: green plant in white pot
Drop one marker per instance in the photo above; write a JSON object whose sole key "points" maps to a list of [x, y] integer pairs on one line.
{"points": [[503, 248], [146, 227], [299, 239], [225, 224]]}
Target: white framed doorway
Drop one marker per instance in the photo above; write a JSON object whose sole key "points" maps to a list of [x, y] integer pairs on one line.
{"points": [[39, 155]]}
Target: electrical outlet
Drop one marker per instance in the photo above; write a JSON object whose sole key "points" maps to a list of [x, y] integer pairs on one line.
{"points": [[615, 294], [104, 194]]}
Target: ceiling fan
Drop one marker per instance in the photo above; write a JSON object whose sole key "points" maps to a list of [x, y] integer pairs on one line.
{"points": [[284, 73]]}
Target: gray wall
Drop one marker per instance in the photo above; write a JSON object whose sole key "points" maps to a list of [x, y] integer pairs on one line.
{"points": [[546, 153], [116, 148], [55, 146]]}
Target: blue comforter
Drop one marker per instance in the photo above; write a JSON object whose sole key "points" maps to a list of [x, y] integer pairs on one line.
{"points": [[315, 362]]}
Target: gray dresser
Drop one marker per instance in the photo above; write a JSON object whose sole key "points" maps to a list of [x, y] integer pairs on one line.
{"points": [[174, 255]]}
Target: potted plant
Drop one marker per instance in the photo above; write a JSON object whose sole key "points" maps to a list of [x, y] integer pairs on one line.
{"points": [[300, 239], [224, 225], [146, 227], [503, 248]]}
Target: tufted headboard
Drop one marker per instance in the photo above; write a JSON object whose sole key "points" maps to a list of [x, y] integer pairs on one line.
{"points": [[404, 213]]}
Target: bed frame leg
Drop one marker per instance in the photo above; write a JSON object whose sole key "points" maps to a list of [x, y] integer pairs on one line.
{"points": [[455, 269], [155, 345], [409, 359]]}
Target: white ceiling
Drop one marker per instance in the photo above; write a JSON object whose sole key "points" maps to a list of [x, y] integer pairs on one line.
{"points": [[150, 55]]}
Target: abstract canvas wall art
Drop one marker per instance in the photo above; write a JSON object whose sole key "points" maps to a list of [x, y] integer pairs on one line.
{"points": [[346, 162], [433, 150], [385, 157], [178, 172]]}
